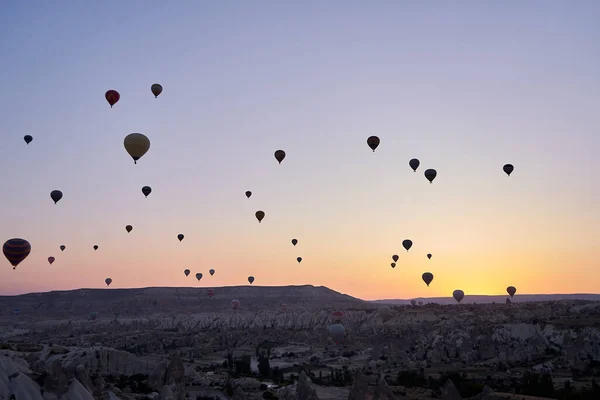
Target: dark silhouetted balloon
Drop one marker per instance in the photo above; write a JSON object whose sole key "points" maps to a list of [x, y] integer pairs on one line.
{"points": [[95, 247], [279, 155], [294, 241], [393, 265], [16, 250], [251, 279], [299, 259], [407, 244], [430, 174], [198, 276], [186, 272], [211, 272], [56, 195], [51, 260], [427, 277], [508, 168], [414, 164], [62, 247], [511, 290], [156, 89], [395, 257], [259, 215], [235, 304], [458, 295], [136, 144], [129, 228], [28, 138], [337, 332], [373, 142], [112, 96], [146, 190], [429, 256], [248, 194], [108, 281], [180, 237]]}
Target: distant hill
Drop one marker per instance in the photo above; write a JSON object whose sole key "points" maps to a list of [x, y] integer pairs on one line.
{"points": [[520, 298], [145, 301]]}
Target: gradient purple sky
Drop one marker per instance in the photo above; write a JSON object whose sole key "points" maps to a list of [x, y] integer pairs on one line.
{"points": [[465, 88]]}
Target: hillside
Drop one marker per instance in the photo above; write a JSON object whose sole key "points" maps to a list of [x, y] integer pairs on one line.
{"points": [[156, 300], [483, 299]]}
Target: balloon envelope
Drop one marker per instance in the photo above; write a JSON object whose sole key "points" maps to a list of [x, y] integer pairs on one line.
{"points": [[337, 332], [156, 89], [198, 276], [414, 164], [259, 215], [108, 281], [508, 169], [129, 228], [63, 247], [146, 190], [210, 292], [248, 194], [279, 155], [95, 247], [395, 257], [56, 195], [112, 96], [186, 272], [430, 174], [211, 272], [51, 260], [136, 144], [235, 304], [28, 138], [429, 256], [427, 277], [407, 244], [251, 279], [16, 250], [458, 295], [393, 265], [299, 259], [180, 237], [294, 241], [373, 142], [511, 290]]}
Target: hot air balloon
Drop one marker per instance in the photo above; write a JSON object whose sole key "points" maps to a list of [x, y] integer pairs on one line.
{"points": [[395, 257], [156, 89], [136, 144], [186, 272], [294, 241], [259, 215], [129, 228], [511, 290], [16, 311], [373, 142], [458, 295], [95, 247], [508, 168], [413, 302], [62, 247], [251, 279], [279, 155], [414, 164], [198, 276], [337, 315], [427, 277], [16, 250], [112, 96], [27, 138], [407, 244], [56, 195], [51, 260], [146, 190], [211, 272], [210, 292], [180, 237], [108, 281], [235, 304], [299, 259], [430, 174], [248, 194], [429, 256], [93, 316], [393, 265], [337, 332]]}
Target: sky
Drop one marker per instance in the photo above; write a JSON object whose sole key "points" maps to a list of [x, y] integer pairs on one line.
{"points": [[465, 87]]}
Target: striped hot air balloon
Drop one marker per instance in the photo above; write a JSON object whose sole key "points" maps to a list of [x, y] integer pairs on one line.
{"points": [[16, 250]]}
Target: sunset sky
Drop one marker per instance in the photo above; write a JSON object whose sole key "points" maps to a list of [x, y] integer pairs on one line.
{"points": [[463, 86]]}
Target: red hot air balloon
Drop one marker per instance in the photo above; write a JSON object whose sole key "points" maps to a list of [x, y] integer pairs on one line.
{"points": [[16, 250], [51, 260], [112, 96]]}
